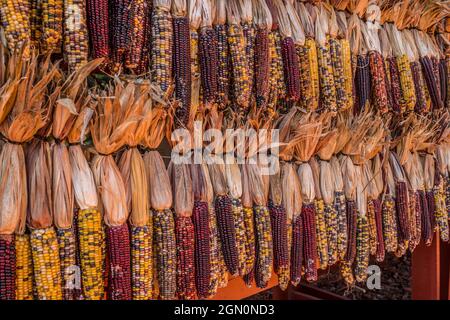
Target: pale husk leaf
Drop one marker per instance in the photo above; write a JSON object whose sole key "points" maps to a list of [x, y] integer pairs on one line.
{"points": [[246, 198], [275, 183], [183, 203], [327, 184], [337, 173], [314, 164], [377, 171], [361, 192], [306, 178], [199, 183], [292, 195], [349, 177], [218, 179], [256, 185], [429, 171], [160, 191], [234, 182]]}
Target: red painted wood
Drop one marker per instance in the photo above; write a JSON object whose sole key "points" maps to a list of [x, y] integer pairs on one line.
{"points": [[237, 290], [425, 273]]}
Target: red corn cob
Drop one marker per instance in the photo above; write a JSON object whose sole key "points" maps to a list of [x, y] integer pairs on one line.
{"points": [[395, 84], [118, 242], [421, 103], [98, 21], [401, 205], [351, 228], [297, 250], [362, 83], [208, 54], [182, 68], [427, 230], [185, 258], [309, 241], [202, 248], [7, 268], [378, 80], [291, 68], [379, 225], [262, 69], [249, 36], [278, 219]]}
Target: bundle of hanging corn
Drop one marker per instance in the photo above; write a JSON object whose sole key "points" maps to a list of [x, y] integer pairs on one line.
{"points": [[182, 60], [183, 205], [108, 130], [160, 194], [137, 59], [132, 168], [241, 85], [70, 102], [307, 55], [15, 19], [161, 44], [98, 24]]}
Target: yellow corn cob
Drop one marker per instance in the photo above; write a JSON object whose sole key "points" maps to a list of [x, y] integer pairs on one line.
{"points": [[338, 73], [250, 242], [195, 66], [372, 227], [24, 268], [92, 249], [345, 269], [440, 214], [407, 84], [389, 224], [348, 75], [214, 252], [47, 271], [402, 247], [15, 21], [309, 74], [142, 262], [36, 22], [75, 33], [52, 24], [321, 234]]}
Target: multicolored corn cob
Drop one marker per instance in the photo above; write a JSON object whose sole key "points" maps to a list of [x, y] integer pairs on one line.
{"points": [[340, 82], [406, 83], [378, 81], [24, 268], [389, 224], [352, 226], [67, 257], [309, 241], [402, 207], [76, 40], [200, 219], [142, 261], [250, 243], [419, 87], [396, 89], [331, 221], [223, 66], [36, 22], [341, 210], [326, 78], [440, 214], [277, 84], [262, 66], [185, 258], [15, 21], [278, 219], [137, 58], [321, 234], [309, 74], [297, 250], [208, 55], [52, 24], [7, 267], [362, 248], [291, 68], [98, 24], [264, 246]]}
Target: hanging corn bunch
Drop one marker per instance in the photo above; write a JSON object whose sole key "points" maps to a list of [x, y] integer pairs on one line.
{"points": [[15, 21], [182, 60], [137, 59], [162, 44], [223, 60], [98, 24]]}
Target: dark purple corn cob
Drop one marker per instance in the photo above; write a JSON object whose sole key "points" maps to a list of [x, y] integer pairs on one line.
{"points": [[379, 225], [443, 79], [202, 248], [120, 29], [427, 230], [401, 205], [185, 237], [362, 83], [7, 268], [351, 229], [431, 81], [421, 103], [309, 241], [297, 250], [291, 68], [278, 219], [223, 66], [208, 55], [395, 84], [262, 69]]}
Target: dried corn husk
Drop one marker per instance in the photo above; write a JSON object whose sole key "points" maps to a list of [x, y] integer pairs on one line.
{"points": [[183, 203], [275, 185], [234, 182], [246, 198], [327, 182], [291, 188], [160, 192], [314, 164], [257, 185], [337, 173], [361, 191], [218, 178], [377, 175], [199, 183], [350, 177], [429, 171], [306, 178]]}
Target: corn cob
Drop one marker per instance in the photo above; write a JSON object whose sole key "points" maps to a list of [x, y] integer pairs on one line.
{"points": [[341, 210], [402, 207], [336, 52], [436, 74], [250, 36], [136, 59], [345, 269], [309, 241], [262, 66], [373, 236], [241, 238], [331, 221], [208, 55], [165, 252], [326, 78], [429, 194], [427, 230], [24, 268], [419, 87], [447, 196], [75, 34], [378, 81], [362, 83], [185, 258], [309, 74], [297, 250], [35, 22], [202, 247], [241, 90], [52, 24], [161, 52], [216, 257], [250, 243], [278, 219], [98, 24], [447, 64], [14, 18], [223, 66], [443, 76], [118, 246], [413, 240], [431, 81], [67, 258], [91, 239], [291, 68], [182, 67], [352, 230], [440, 214], [277, 85], [120, 31], [380, 251], [362, 248], [389, 224], [264, 246], [406, 83], [418, 213], [395, 85], [321, 234], [7, 267], [347, 70], [141, 262], [47, 272]]}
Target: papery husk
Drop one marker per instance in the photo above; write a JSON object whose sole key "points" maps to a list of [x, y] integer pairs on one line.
{"points": [[218, 178], [209, 187], [199, 183], [183, 203], [429, 171], [291, 188], [314, 164], [413, 172], [39, 174], [266, 181], [275, 185], [111, 188], [327, 145], [256, 185], [13, 189], [343, 133], [349, 177], [442, 155], [84, 187], [305, 175], [371, 188], [80, 127], [62, 187], [246, 197], [132, 168], [397, 169], [307, 135], [361, 191], [160, 192], [234, 182], [327, 183], [389, 182], [377, 172], [337, 174], [261, 14]]}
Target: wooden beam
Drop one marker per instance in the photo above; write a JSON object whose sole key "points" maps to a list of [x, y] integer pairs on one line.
{"points": [[237, 290], [425, 273]]}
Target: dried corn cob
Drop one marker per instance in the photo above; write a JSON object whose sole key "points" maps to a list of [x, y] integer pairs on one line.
{"points": [[414, 239], [440, 214], [264, 246], [443, 76], [249, 36], [241, 237], [389, 224], [309, 241], [200, 219], [351, 229], [362, 83], [380, 251], [345, 269], [185, 258], [47, 272], [372, 227], [447, 64], [431, 81], [347, 70], [24, 268], [139, 20], [277, 84], [14, 18], [418, 213], [98, 24], [309, 74], [7, 267], [321, 234], [340, 82], [216, 257], [402, 207], [326, 78], [378, 81], [223, 65], [331, 220], [250, 243], [91, 239], [429, 195], [52, 24], [406, 83], [75, 34], [297, 250], [67, 258], [161, 52], [419, 87], [395, 84], [262, 66], [447, 196], [141, 257], [278, 219], [165, 252], [208, 55], [121, 21], [362, 248], [36, 22], [291, 68], [341, 209], [427, 230]]}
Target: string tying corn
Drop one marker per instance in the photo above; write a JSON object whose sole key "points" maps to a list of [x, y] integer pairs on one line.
{"points": [[24, 268]]}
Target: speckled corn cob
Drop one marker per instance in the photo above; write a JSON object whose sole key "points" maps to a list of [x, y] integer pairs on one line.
{"points": [[291, 69], [200, 219], [309, 74], [15, 21], [223, 80], [440, 214], [407, 84], [75, 33], [52, 24], [418, 213], [98, 23], [24, 268], [419, 87], [389, 224], [352, 227], [120, 31], [372, 227], [91, 240], [139, 12], [427, 230], [215, 252], [262, 67], [297, 250], [340, 207], [278, 219], [240, 68], [401, 204], [347, 70], [413, 239], [184, 234], [47, 271], [161, 53], [345, 269], [331, 221], [277, 85], [7, 267], [208, 55], [447, 195], [67, 259], [326, 78], [309, 241], [338, 73], [396, 88], [241, 238], [195, 63], [264, 246], [250, 242], [36, 22], [249, 35], [362, 248], [165, 252], [321, 234], [378, 81], [141, 262]]}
